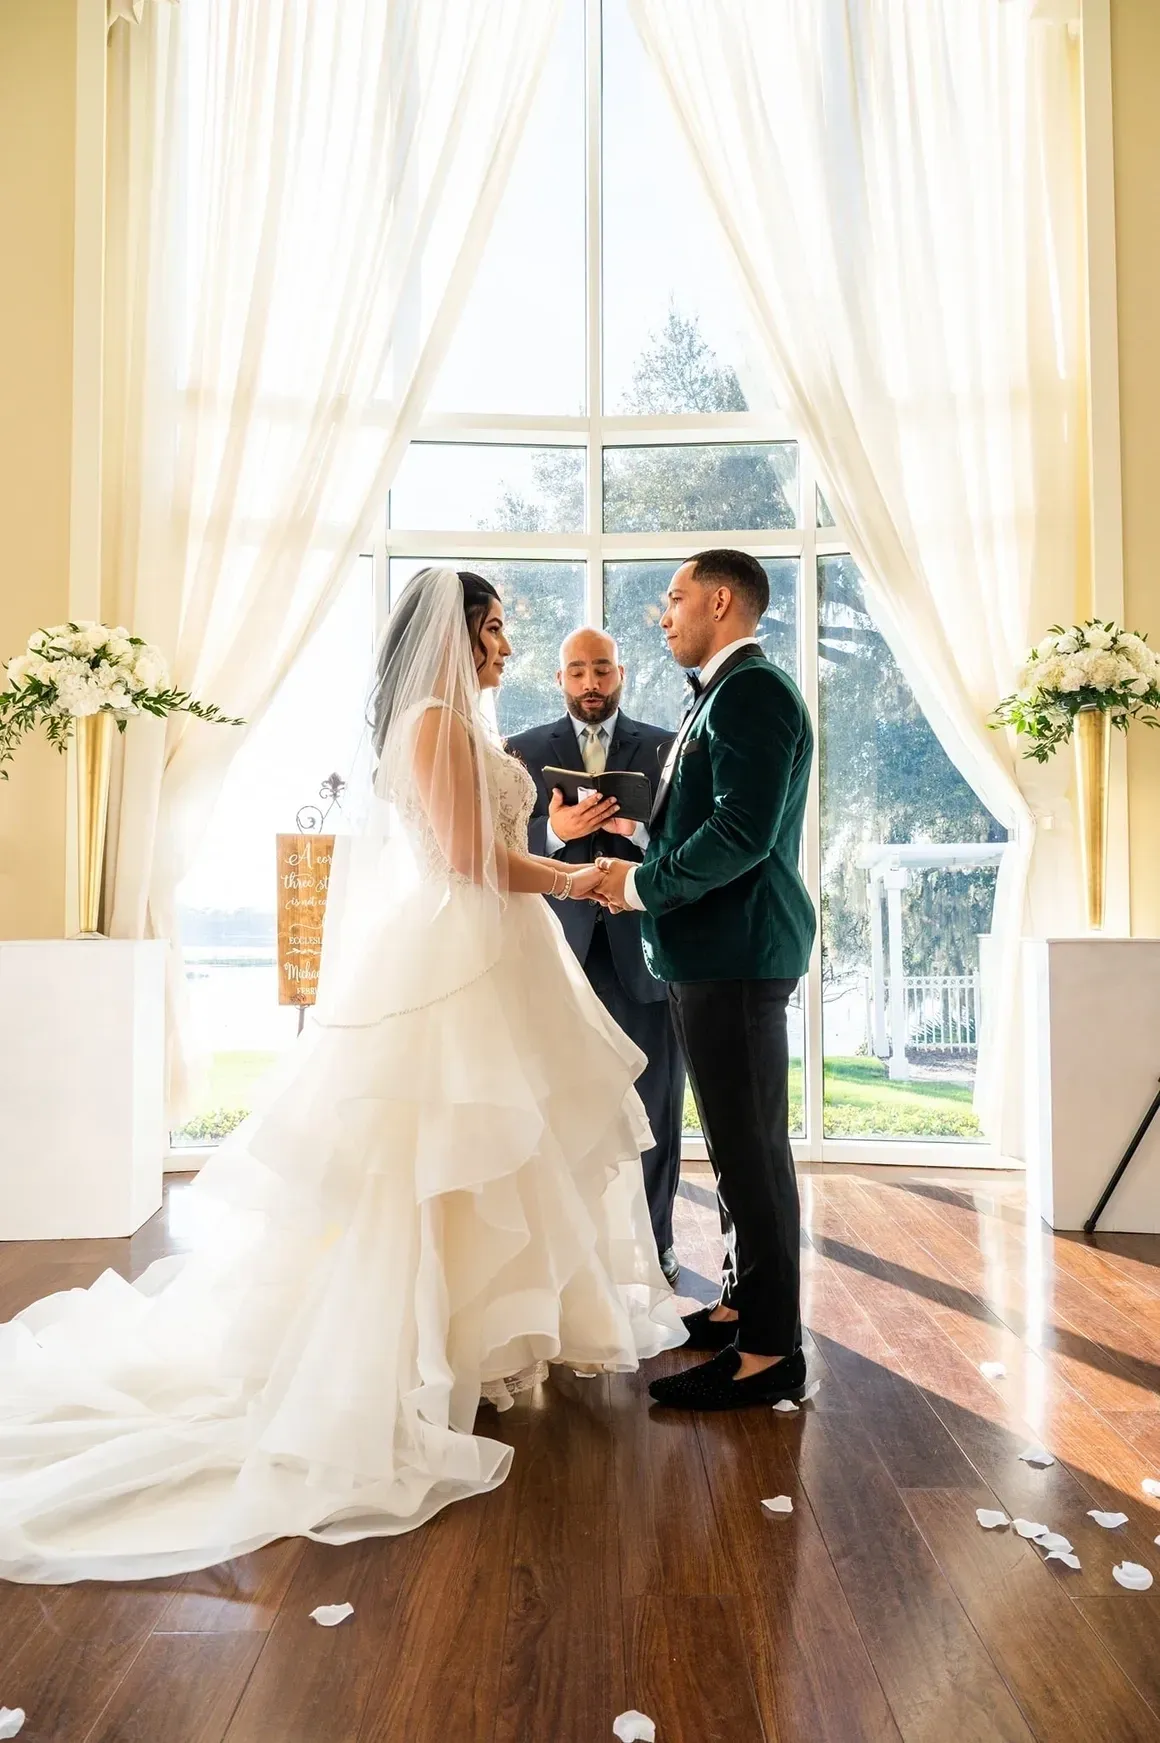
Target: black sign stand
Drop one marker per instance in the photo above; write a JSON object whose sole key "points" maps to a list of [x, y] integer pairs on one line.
{"points": [[1089, 1228]]}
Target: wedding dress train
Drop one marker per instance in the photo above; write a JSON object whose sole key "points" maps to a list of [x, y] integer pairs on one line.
{"points": [[425, 1207]]}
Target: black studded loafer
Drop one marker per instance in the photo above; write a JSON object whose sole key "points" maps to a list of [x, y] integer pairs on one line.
{"points": [[712, 1386]]}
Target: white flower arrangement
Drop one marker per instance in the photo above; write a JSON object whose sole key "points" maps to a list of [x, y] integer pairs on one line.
{"points": [[78, 669], [1092, 665]]}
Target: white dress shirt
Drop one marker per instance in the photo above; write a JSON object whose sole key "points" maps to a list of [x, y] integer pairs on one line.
{"points": [[606, 732], [708, 670]]}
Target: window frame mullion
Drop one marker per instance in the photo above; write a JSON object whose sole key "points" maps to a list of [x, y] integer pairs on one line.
{"points": [[594, 306]]}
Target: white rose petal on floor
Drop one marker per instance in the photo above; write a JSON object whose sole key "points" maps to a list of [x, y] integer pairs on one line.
{"points": [[1066, 1556], [330, 1615], [1109, 1521], [11, 1721], [990, 1518], [1030, 1528], [786, 1407], [992, 1370], [779, 1504], [812, 1390], [634, 1727], [1037, 1455], [1055, 1543], [1151, 1486], [1132, 1576]]}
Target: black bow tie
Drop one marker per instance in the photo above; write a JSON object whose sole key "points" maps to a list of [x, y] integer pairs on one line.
{"points": [[694, 683]]}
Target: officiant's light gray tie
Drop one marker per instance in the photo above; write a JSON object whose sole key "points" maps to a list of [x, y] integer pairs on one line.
{"points": [[592, 750]]}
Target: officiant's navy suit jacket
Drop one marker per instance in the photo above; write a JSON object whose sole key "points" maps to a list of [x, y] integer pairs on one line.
{"points": [[634, 746]]}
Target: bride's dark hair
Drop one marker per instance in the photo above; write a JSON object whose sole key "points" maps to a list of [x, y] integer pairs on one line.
{"points": [[478, 597]]}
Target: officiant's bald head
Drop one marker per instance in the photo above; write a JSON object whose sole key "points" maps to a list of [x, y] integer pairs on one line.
{"points": [[590, 675]]}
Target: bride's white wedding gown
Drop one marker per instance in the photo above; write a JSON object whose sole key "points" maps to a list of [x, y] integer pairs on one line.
{"points": [[425, 1207]]}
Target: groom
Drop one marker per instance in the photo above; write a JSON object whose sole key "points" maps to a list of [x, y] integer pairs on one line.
{"points": [[727, 921]]}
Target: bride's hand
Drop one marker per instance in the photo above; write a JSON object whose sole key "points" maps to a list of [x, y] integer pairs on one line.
{"points": [[584, 881]]}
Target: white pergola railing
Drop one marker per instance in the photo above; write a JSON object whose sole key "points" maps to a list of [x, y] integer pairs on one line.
{"points": [[902, 1005]]}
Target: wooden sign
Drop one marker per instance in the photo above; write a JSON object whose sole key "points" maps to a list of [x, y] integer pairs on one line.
{"points": [[304, 863]]}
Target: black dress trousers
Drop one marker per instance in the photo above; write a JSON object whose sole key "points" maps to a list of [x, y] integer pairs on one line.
{"points": [[734, 1039], [661, 1086]]}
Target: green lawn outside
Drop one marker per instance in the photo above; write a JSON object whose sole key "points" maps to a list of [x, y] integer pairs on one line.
{"points": [[225, 1098], [860, 1101]]}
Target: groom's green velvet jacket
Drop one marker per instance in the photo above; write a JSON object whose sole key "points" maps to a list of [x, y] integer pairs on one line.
{"points": [[723, 896]]}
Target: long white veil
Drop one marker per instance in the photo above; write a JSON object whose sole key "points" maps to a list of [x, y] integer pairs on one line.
{"points": [[418, 888]]}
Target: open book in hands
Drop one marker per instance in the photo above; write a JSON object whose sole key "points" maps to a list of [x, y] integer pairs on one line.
{"points": [[631, 790]]}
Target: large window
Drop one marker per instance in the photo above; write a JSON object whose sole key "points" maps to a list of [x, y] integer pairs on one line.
{"points": [[595, 422]]}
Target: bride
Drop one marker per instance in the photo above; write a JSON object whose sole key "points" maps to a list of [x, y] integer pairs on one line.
{"points": [[441, 1193]]}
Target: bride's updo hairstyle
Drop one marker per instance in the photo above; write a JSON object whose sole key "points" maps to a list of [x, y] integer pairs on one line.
{"points": [[478, 596]]}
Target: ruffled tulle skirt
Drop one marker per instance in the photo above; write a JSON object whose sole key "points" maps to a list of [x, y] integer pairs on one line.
{"points": [[423, 1207]]}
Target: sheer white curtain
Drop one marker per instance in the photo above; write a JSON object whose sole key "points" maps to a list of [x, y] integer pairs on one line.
{"points": [[298, 196], [899, 182]]}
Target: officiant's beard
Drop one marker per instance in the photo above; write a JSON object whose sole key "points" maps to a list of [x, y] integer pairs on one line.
{"points": [[593, 708]]}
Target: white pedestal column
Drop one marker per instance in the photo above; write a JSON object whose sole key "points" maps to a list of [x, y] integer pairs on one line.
{"points": [[82, 1087], [1092, 1033]]}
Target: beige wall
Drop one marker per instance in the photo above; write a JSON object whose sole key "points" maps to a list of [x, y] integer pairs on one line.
{"points": [[51, 84], [1136, 139]]}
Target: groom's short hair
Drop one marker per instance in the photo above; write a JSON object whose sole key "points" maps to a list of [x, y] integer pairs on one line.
{"points": [[738, 571]]}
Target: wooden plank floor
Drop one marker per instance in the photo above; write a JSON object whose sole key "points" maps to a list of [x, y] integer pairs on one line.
{"points": [[628, 1562]]}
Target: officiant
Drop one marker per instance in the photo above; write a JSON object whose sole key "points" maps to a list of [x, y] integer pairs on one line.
{"points": [[594, 735]]}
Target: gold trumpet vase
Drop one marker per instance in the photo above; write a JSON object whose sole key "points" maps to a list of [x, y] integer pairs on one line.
{"points": [[94, 748], [1093, 750]]}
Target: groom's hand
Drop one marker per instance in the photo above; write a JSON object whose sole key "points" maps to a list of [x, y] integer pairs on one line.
{"points": [[609, 892]]}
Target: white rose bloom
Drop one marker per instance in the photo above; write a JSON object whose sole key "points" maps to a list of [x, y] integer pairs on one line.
{"points": [[20, 669], [36, 641], [1067, 644], [1135, 648], [1072, 678], [1139, 686], [83, 644], [120, 648], [149, 671], [1047, 647], [1098, 637]]}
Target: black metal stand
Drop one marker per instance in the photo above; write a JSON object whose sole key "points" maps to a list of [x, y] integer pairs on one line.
{"points": [[1089, 1228]]}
